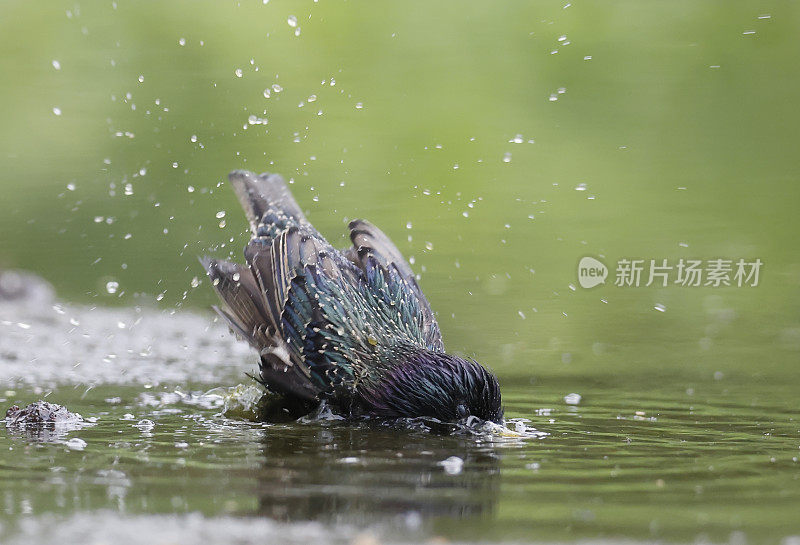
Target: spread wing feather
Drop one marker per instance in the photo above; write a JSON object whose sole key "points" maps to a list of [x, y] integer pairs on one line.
{"points": [[243, 301], [370, 243]]}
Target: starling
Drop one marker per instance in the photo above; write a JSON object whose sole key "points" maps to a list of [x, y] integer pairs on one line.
{"points": [[349, 327]]}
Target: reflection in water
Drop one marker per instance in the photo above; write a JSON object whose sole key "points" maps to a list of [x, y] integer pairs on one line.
{"points": [[359, 474]]}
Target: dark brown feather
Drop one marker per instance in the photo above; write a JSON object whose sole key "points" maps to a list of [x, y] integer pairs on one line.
{"points": [[242, 297]]}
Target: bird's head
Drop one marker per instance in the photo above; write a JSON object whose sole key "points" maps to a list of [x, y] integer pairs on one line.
{"points": [[433, 384]]}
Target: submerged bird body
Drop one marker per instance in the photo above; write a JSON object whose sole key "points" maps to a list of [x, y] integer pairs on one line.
{"points": [[351, 327]]}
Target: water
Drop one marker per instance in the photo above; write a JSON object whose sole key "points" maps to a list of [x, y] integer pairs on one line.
{"points": [[498, 145], [174, 434]]}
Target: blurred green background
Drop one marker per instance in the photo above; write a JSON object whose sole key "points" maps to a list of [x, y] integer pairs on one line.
{"points": [[677, 119]]}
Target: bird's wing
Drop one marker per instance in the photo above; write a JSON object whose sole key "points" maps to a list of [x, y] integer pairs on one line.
{"points": [[244, 306], [383, 263], [269, 301], [293, 270]]}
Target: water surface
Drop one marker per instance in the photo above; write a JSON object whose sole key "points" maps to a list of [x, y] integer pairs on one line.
{"points": [[717, 460]]}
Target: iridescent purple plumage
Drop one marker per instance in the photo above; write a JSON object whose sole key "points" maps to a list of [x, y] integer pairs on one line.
{"points": [[424, 383], [351, 327]]}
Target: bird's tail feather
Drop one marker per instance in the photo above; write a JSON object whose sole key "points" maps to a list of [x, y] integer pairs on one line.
{"points": [[265, 194]]}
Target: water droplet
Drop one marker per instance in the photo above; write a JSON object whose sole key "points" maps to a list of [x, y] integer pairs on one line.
{"points": [[222, 224], [71, 187], [661, 308], [76, 443], [195, 282], [255, 120], [452, 465], [572, 399], [359, 105], [142, 171], [580, 187], [112, 286], [292, 20], [193, 138], [507, 157], [57, 110], [220, 214], [277, 88], [238, 72], [144, 425], [56, 64], [141, 79], [182, 42]]}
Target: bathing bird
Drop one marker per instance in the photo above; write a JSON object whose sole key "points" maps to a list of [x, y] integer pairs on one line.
{"points": [[348, 327]]}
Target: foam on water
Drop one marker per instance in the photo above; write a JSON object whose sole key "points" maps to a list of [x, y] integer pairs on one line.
{"points": [[108, 527], [44, 343]]}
